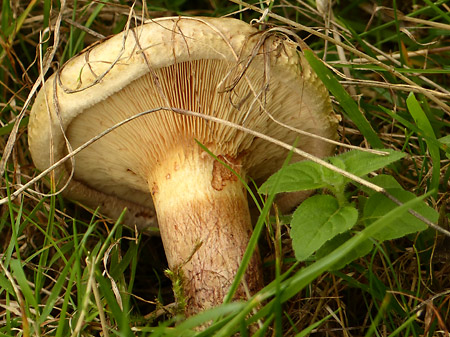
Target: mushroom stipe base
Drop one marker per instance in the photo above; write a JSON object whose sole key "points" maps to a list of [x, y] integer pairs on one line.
{"points": [[205, 225]]}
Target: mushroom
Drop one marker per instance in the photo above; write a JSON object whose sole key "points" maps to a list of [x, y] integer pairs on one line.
{"points": [[218, 67]]}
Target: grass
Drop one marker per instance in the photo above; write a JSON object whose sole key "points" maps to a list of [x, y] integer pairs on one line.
{"points": [[67, 271]]}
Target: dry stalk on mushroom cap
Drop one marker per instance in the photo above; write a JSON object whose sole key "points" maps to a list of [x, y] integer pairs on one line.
{"points": [[218, 67]]}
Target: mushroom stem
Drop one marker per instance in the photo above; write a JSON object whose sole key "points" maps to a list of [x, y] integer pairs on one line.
{"points": [[205, 225]]}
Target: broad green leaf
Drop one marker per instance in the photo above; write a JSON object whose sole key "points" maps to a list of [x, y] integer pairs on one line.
{"points": [[378, 205], [307, 175], [317, 220], [300, 176], [424, 125], [348, 104], [382, 180], [361, 163], [361, 250]]}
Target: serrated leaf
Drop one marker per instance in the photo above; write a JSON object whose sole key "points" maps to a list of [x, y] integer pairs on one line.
{"points": [[300, 176], [361, 163], [307, 175], [382, 180], [317, 220], [378, 205]]}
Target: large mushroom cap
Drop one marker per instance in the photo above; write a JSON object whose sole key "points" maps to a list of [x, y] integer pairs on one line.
{"points": [[221, 67]]}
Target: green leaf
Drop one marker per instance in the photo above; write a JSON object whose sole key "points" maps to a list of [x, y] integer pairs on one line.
{"points": [[346, 101], [382, 180], [361, 163], [307, 175], [378, 205], [317, 220], [300, 176]]}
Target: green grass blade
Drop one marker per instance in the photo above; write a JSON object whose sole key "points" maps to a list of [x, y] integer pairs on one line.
{"points": [[309, 329], [250, 250], [55, 291], [88, 24], [347, 103], [187, 327], [43, 257], [5, 15], [63, 323], [424, 125], [19, 23], [438, 10], [410, 126], [232, 326], [19, 275], [117, 314], [384, 306], [404, 326]]}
